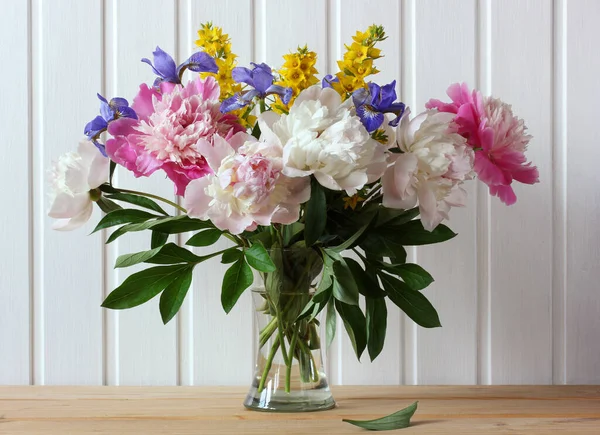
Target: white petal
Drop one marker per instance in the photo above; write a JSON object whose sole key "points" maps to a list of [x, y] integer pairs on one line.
{"points": [[99, 169], [327, 181], [66, 206], [75, 222]]}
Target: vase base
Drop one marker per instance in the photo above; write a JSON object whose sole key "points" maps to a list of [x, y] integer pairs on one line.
{"points": [[295, 401]]}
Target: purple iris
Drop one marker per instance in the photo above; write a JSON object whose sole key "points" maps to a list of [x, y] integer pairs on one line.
{"points": [[328, 80], [167, 71], [261, 79], [109, 111], [371, 105]]}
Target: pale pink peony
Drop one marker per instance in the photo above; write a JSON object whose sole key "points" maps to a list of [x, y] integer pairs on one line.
{"points": [[498, 137], [172, 121], [247, 187]]}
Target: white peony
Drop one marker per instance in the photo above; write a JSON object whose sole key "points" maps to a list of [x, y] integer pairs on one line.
{"points": [[72, 179], [434, 163], [321, 136]]}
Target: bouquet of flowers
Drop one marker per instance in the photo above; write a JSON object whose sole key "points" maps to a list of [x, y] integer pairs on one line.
{"points": [[319, 184]]}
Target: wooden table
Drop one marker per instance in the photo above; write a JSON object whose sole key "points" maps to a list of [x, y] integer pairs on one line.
{"points": [[202, 410]]}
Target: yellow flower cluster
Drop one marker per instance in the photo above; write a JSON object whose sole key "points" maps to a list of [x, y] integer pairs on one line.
{"points": [[298, 72], [358, 61], [214, 42]]}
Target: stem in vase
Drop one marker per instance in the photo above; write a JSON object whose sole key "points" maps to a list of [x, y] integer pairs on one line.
{"points": [[288, 371], [265, 374]]}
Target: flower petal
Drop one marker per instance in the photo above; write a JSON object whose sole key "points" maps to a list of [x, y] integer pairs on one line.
{"points": [[74, 222]]}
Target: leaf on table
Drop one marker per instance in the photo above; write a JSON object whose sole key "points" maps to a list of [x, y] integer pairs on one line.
{"points": [[397, 420]]}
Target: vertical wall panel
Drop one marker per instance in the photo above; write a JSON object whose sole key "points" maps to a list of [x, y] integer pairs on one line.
{"points": [[14, 221], [287, 24], [67, 56], [147, 349], [386, 368], [583, 194], [521, 235], [445, 54], [222, 343]]}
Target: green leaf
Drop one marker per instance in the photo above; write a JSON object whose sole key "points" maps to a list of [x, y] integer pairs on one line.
{"points": [[123, 216], [330, 323], [237, 279], [173, 296], [351, 240], [158, 239], [140, 201], [376, 317], [391, 217], [315, 218], [355, 324], [231, 255], [344, 285], [205, 238], [397, 420], [256, 131], [174, 254], [413, 275], [413, 234], [142, 286], [264, 237], [167, 225], [367, 285], [413, 303], [176, 225], [106, 205], [291, 232], [258, 257], [127, 260], [376, 243]]}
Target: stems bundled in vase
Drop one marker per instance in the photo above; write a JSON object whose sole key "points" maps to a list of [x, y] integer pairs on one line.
{"points": [[295, 172]]}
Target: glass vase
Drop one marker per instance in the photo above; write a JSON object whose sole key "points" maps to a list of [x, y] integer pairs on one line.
{"points": [[289, 374]]}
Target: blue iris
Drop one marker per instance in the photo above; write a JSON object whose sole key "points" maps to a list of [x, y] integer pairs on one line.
{"points": [[109, 111], [260, 78], [167, 71], [328, 80], [371, 105]]}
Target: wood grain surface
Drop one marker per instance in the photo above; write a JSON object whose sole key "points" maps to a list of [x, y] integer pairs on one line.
{"points": [[218, 410]]}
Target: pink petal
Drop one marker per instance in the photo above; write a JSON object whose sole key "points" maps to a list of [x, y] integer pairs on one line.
{"points": [[195, 200], [142, 103], [505, 193]]}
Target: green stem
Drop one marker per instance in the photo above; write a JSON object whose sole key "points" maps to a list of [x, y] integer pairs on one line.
{"points": [[159, 198], [286, 360], [288, 369], [314, 371], [266, 333], [269, 363], [263, 107]]}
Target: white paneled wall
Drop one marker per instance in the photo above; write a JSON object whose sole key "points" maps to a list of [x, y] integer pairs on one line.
{"points": [[517, 291]]}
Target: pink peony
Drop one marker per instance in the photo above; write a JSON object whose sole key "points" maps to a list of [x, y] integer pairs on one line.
{"points": [[172, 121], [247, 187], [497, 136]]}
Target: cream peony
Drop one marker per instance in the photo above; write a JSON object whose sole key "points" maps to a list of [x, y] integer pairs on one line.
{"points": [[248, 187], [72, 179], [434, 163], [321, 136]]}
